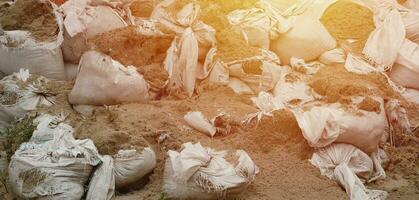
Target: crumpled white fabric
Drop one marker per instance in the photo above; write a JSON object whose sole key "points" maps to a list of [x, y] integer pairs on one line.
{"points": [[57, 168], [347, 165], [198, 172], [406, 70], [181, 61], [358, 64], [385, 41], [29, 97]]}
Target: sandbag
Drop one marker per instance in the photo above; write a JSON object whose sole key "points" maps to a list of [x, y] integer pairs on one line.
{"points": [[125, 168], [412, 4], [18, 95], [192, 36], [202, 173], [347, 165], [260, 24], [303, 44], [260, 72], [19, 49], [406, 70], [83, 22], [323, 125], [54, 168], [334, 56], [103, 81], [411, 95], [385, 41]]}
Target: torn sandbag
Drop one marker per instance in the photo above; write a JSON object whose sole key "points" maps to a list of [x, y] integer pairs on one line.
{"points": [[301, 66], [323, 125], [292, 93], [347, 165], [191, 35], [260, 24], [359, 65], [202, 173], [411, 95], [57, 168], [20, 93], [260, 72], [385, 41], [397, 117], [406, 70], [267, 104], [118, 171], [32, 40], [334, 56], [83, 22], [210, 127], [300, 43], [104, 81]]}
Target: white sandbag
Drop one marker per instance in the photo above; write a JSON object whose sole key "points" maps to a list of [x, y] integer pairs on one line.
{"points": [[411, 95], [260, 24], [411, 23], [385, 41], [131, 166], [71, 71], [334, 56], [270, 71], [323, 125], [304, 44], [239, 87], [19, 97], [102, 184], [182, 58], [266, 103], [103, 81], [54, 169], [203, 173], [397, 116], [412, 4], [83, 22], [348, 165], [406, 70], [125, 168], [297, 91], [199, 122], [301, 66], [19, 50]]}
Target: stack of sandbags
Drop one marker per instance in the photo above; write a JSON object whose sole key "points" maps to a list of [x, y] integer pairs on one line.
{"points": [[31, 38]]}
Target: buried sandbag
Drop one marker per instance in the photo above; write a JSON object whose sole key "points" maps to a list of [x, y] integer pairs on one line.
{"points": [[125, 168], [406, 70], [300, 43], [20, 93], [203, 173], [83, 22], [103, 81], [52, 165], [31, 39], [347, 165], [323, 125]]}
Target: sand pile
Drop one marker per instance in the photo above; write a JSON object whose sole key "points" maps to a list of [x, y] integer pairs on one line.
{"points": [[130, 47], [348, 20], [35, 16], [142, 8]]}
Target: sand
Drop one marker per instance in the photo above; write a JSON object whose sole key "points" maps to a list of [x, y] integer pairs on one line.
{"points": [[129, 47], [35, 16], [142, 8], [348, 20]]}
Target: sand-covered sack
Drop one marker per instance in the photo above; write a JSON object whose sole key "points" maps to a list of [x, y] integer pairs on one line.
{"points": [[31, 39], [133, 46], [83, 22]]}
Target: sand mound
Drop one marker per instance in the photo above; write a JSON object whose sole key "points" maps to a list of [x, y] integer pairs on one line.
{"points": [[130, 47], [35, 16], [348, 20], [141, 8]]}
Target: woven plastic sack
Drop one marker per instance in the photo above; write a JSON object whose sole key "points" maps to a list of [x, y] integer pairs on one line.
{"points": [[19, 50], [347, 165], [303, 44], [406, 70], [19, 96], [202, 173], [192, 37], [83, 22], [103, 81], [54, 168], [323, 125], [412, 4]]}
